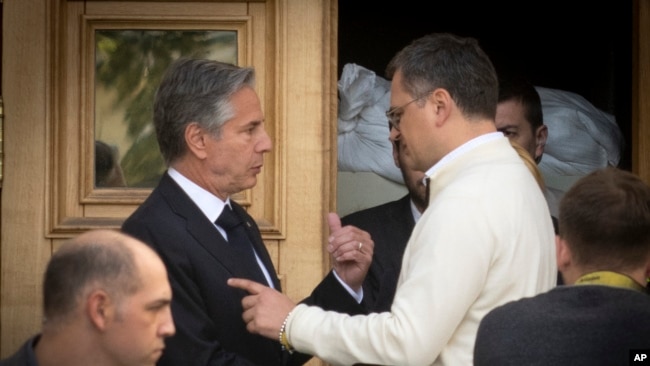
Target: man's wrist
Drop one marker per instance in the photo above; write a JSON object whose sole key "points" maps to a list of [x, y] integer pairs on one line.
{"points": [[357, 295], [282, 336]]}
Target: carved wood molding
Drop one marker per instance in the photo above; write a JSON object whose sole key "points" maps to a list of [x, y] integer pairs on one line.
{"points": [[75, 203]]}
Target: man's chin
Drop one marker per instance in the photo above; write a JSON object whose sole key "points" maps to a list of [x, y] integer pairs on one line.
{"points": [[250, 183]]}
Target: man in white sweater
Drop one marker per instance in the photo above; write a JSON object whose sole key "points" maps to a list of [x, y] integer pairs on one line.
{"points": [[485, 239]]}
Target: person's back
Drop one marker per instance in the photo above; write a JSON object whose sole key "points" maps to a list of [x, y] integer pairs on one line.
{"points": [[603, 248], [509, 259], [569, 325]]}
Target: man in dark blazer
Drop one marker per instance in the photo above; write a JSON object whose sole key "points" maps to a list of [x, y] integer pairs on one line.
{"points": [[99, 287], [209, 126], [390, 225]]}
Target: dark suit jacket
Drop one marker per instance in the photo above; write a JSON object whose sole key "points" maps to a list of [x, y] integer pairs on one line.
{"points": [[24, 356], [390, 226], [207, 312]]}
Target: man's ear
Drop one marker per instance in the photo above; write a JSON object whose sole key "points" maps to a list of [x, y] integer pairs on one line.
{"points": [[442, 104], [562, 253], [195, 138], [541, 135], [99, 309]]}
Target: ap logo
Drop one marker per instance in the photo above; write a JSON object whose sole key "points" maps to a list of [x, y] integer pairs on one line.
{"points": [[639, 357]]}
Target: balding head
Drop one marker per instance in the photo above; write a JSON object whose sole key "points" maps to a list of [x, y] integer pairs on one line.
{"points": [[97, 259]]}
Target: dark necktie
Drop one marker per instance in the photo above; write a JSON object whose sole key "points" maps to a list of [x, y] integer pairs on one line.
{"points": [[240, 244]]}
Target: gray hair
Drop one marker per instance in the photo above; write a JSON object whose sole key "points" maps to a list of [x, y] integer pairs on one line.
{"points": [[195, 90], [456, 64]]}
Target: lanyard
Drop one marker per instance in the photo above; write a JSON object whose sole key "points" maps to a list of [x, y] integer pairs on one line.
{"points": [[610, 279]]}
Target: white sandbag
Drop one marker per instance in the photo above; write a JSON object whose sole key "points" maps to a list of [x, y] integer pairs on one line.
{"points": [[363, 144], [581, 137]]}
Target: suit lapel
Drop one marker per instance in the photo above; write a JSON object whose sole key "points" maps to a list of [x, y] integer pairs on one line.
{"points": [[207, 235]]}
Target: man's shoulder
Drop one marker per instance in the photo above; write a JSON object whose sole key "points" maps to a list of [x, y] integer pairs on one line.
{"points": [[165, 195], [24, 356], [150, 207], [526, 305], [375, 212]]}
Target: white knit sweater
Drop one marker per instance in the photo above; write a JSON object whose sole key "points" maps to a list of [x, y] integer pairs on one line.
{"points": [[486, 239]]}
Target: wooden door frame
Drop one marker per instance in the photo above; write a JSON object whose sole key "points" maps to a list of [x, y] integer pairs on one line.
{"points": [[641, 90], [305, 100]]}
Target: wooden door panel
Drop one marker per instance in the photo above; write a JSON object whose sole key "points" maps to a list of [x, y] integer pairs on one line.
{"points": [[48, 193]]}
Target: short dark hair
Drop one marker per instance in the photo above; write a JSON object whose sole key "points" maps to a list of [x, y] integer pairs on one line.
{"points": [[195, 90], [517, 88], [96, 260], [605, 220], [456, 64]]}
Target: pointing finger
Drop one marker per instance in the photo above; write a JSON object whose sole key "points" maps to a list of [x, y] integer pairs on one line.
{"points": [[252, 287]]}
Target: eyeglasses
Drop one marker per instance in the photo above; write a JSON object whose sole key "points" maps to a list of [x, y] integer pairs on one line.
{"points": [[394, 114]]}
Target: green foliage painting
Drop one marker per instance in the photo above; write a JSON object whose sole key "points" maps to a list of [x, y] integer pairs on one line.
{"points": [[128, 67]]}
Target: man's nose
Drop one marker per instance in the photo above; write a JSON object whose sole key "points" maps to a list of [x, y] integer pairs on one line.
{"points": [[167, 328], [265, 144]]}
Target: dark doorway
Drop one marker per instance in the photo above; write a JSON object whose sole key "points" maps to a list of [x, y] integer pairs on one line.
{"points": [[583, 47]]}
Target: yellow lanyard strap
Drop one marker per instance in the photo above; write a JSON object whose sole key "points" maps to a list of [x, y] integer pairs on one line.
{"points": [[610, 279]]}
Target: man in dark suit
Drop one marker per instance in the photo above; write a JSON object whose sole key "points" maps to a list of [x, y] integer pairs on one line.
{"points": [[389, 225], [106, 301], [209, 126]]}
